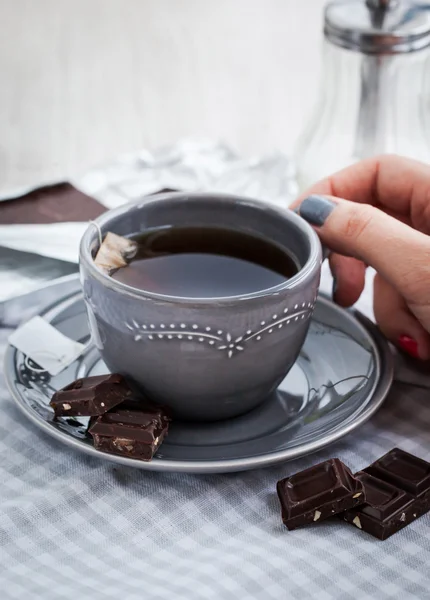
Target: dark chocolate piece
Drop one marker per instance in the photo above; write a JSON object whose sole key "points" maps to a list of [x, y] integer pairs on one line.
{"points": [[91, 422], [387, 510], [318, 493], [397, 490], [403, 470], [91, 396], [131, 430]]}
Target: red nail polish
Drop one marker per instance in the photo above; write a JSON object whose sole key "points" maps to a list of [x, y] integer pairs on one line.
{"points": [[409, 345]]}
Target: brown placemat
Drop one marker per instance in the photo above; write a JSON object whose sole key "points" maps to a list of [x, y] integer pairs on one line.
{"points": [[50, 204]]}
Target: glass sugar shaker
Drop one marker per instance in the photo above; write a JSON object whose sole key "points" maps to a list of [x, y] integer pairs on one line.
{"points": [[375, 90]]}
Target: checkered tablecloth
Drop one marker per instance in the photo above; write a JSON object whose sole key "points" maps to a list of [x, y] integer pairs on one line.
{"points": [[73, 527], [76, 527]]}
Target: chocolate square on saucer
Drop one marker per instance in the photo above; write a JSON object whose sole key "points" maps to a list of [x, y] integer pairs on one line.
{"points": [[131, 430], [90, 396]]}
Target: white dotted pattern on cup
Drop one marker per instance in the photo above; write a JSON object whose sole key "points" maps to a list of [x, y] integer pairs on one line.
{"points": [[219, 340]]}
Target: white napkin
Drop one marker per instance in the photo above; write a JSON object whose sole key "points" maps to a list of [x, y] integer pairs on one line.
{"points": [[59, 240]]}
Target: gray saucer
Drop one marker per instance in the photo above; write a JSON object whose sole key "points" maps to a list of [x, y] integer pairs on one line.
{"points": [[340, 379]]}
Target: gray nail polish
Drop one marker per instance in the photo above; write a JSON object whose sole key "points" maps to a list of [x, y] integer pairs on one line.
{"points": [[316, 209], [334, 288]]}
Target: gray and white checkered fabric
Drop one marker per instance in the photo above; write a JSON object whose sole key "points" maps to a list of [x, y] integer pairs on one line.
{"points": [[74, 527]]}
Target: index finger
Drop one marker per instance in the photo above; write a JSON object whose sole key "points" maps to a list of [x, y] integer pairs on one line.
{"points": [[397, 185]]}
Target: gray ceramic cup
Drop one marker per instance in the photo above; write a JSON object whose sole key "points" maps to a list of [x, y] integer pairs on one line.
{"points": [[207, 359]]}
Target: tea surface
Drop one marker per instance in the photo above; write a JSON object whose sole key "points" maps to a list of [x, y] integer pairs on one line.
{"points": [[205, 262]]}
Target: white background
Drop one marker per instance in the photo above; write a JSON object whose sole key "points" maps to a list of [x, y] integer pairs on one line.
{"points": [[84, 80]]}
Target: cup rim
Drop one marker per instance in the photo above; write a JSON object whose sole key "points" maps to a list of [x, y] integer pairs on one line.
{"points": [[86, 260]]}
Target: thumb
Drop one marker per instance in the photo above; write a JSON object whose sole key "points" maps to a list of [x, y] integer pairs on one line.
{"points": [[395, 250]]}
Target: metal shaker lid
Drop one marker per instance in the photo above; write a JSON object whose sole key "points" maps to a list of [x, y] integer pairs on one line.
{"points": [[378, 26]]}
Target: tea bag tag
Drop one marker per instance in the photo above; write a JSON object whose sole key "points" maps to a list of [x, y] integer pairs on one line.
{"points": [[45, 345]]}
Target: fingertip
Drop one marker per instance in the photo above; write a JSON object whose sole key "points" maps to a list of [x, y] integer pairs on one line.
{"points": [[408, 345], [416, 347], [341, 294], [397, 323], [348, 279], [346, 296], [424, 346]]}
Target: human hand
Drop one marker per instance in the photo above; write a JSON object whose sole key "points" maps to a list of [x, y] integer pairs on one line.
{"points": [[377, 213]]}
